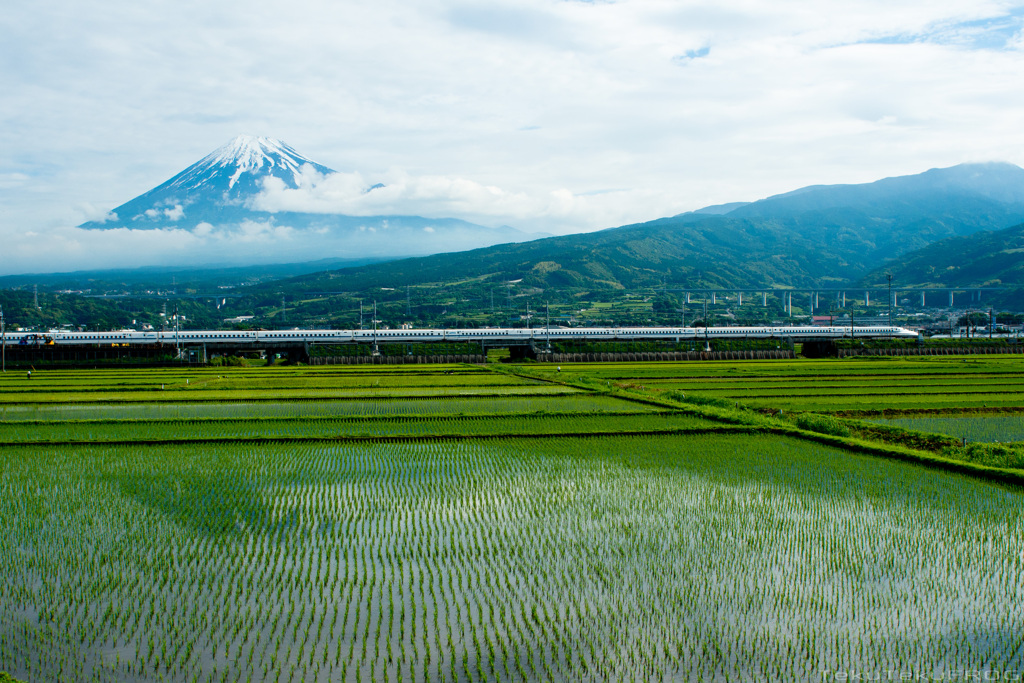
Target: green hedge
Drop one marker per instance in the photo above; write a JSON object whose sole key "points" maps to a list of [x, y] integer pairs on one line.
{"points": [[432, 349], [822, 424], [991, 454], [925, 343], [659, 346]]}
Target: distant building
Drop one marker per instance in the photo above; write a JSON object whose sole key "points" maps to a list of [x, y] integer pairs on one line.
{"points": [[239, 319]]}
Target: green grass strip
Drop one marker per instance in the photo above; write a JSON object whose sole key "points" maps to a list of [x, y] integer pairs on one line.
{"points": [[766, 424], [390, 438]]}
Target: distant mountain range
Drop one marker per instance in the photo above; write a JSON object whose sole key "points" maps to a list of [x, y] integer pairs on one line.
{"points": [[815, 236], [880, 220], [958, 227], [934, 227], [988, 259], [220, 192]]}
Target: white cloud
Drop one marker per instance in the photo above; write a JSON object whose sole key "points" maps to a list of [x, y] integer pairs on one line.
{"points": [[13, 180], [399, 193], [71, 248], [540, 113]]}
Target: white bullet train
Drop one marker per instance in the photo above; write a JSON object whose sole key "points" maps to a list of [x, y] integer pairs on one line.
{"points": [[516, 335]]}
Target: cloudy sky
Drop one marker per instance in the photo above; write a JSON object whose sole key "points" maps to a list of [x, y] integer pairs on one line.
{"points": [[551, 115]]}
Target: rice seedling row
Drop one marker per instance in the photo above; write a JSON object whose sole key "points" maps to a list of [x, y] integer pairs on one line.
{"points": [[333, 428], [802, 368], [314, 409], [780, 384], [687, 558], [893, 400], [816, 392], [990, 428], [178, 394], [229, 382]]}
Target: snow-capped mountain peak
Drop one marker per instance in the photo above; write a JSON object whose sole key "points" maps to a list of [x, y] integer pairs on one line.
{"points": [[218, 187], [246, 159], [249, 154], [216, 195]]}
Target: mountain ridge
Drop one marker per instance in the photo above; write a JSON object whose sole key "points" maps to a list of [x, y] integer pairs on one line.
{"points": [[837, 241], [218, 192], [812, 236], [985, 259]]}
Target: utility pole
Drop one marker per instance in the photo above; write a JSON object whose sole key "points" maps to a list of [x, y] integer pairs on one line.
{"points": [[3, 338], [284, 311], [375, 350], [547, 324], [888, 276], [991, 321], [177, 344], [408, 302], [360, 314]]}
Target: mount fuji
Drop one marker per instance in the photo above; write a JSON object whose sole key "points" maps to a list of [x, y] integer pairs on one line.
{"points": [[219, 195]]}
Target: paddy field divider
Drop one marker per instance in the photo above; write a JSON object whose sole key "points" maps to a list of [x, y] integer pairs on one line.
{"points": [[769, 424]]}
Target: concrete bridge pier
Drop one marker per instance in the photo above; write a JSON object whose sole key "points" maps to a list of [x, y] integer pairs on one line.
{"points": [[867, 298], [764, 299]]}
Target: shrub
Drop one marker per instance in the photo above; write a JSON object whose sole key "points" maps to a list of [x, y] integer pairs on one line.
{"points": [[822, 424], [991, 454]]}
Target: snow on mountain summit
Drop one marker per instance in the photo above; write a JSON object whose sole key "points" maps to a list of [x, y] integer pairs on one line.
{"points": [[249, 154], [217, 188], [246, 156], [219, 194]]}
